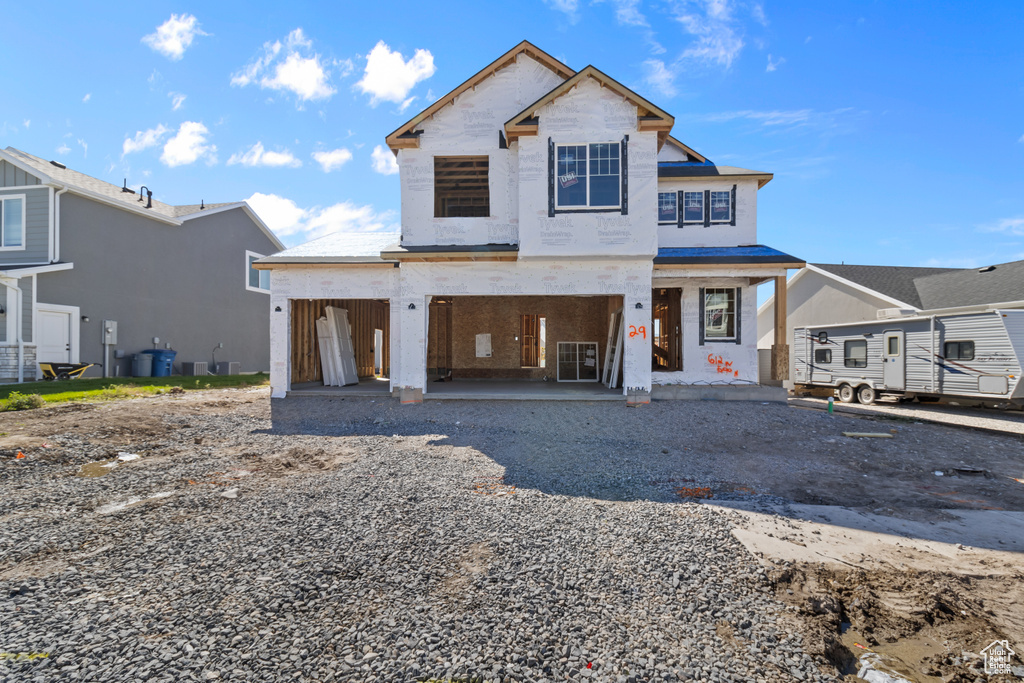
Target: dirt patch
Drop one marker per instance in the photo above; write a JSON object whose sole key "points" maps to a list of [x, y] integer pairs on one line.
{"points": [[923, 626], [300, 460], [456, 589]]}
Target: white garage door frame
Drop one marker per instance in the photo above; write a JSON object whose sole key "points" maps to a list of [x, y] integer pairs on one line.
{"points": [[75, 322]]}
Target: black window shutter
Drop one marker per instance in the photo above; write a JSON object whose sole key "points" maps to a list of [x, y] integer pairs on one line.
{"points": [[679, 208], [502, 142], [739, 312], [551, 179], [624, 169], [732, 205], [707, 208], [701, 333]]}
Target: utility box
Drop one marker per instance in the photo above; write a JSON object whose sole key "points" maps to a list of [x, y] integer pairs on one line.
{"points": [[196, 369], [109, 332], [229, 368]]}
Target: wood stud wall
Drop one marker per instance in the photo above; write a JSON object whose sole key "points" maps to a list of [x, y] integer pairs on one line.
{"points": [[364, 315], [439, 339]]}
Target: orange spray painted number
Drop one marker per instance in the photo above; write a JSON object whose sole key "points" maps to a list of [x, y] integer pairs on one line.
{"points": [[722, 366], [635, 331]]}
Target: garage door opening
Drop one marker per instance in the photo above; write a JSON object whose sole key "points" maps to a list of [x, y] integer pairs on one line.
{"points": [[508, 343], [369, 327]]}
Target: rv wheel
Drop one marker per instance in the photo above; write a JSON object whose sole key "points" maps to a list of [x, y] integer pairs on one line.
{"points": [[866, 395], [846, 393]]}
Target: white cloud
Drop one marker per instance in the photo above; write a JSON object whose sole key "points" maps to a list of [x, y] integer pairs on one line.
{"points": [[716, 31], [257, 156], [660, 77], [28, 122], [144, 139], [1020, 140], [88, 96], [1011, 226], [189, 145], [177, 100], [384, 160], [334, 159], [63, 149], [389, 77], [174, 36], [627, 13], [570, 8], [786, 118], [291, 66], [85, 147], [773, 65], [286, 218]]}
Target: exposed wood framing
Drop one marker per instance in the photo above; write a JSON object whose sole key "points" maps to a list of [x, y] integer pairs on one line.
{"points": [[364, 315], [507, 59], [667, 348], [439, 339]]}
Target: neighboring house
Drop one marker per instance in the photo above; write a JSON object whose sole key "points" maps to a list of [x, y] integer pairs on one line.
{"points": [[824, 294], [76, 252], [537, 202]]}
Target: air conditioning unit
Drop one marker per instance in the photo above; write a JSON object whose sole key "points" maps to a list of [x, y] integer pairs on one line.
{"points": [[196, 369], [229, 368]]}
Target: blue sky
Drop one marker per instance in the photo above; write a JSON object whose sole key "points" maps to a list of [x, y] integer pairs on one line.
{"points": [[895, 130]]}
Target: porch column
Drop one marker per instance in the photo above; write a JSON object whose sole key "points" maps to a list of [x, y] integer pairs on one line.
{"points": [[636, 359], [280, 343], [412, 360], [780, 349]]}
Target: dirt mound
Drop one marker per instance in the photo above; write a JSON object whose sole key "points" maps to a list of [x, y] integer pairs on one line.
{"points": [[926, 626]]}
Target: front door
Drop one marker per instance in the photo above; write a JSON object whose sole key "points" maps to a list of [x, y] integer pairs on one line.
{"points": [[894, 360], [54, 336]]}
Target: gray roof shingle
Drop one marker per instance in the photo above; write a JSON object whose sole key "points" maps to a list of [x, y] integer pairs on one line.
{"points": [[931, 288]]}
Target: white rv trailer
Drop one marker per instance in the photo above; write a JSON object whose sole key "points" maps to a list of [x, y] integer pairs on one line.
{"points": [[971, 355]]}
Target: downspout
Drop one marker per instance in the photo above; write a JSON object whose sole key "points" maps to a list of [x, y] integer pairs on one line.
{"points": [[18, 326], [56, 223], [935, 357]]}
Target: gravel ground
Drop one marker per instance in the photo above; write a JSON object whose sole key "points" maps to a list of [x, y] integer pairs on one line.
{"points": [[232, 550]]}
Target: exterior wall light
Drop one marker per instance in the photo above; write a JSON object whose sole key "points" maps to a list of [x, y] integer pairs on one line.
{"points": [[639, 305], [412, 307]]}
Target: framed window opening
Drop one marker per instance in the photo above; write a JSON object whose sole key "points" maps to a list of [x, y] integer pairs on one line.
{"points": [[693, 207], [256, 280], [855, 353], [588, 176], [461, 187], [12, 222], [823, 356], [720, 314], [668, 209], [532, 341], [958, 350]]}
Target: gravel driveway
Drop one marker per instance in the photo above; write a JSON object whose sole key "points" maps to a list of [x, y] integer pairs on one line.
{"points": [[355, 540]]}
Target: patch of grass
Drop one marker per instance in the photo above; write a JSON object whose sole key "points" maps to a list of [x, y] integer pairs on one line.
{"points": [[114, 388], [17, 400]]}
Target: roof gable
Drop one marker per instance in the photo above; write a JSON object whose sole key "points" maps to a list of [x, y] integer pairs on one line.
{"points": [[892, 282], [649, 116], [407, 136], [972, 286]]}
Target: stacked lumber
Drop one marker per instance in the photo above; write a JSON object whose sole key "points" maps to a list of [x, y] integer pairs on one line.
{"points": [[337, 356]]}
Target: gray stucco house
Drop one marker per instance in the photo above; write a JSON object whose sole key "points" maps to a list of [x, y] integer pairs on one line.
{"points": [[76, 252]]}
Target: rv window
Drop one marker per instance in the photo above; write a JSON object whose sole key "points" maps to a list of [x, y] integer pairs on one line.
{"points": [[894, 346], [963, 350], [822, 355], [855, 354]]}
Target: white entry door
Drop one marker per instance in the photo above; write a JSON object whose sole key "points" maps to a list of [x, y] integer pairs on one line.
{"points": [[57, 327], [894, 362]]}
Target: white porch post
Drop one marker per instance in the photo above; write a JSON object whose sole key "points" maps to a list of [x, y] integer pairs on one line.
{"points": [[413, 330], [280, 343], [636, 361]]}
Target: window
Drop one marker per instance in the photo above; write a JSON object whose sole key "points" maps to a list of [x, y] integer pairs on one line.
{"points": [[693, 207], [461, 188], [822, 355], [855, 353], [894, 346], [721, 207], [668, 212], [720, 314], [256, 280], [12, 222], [532, 349], [959, 350], [587, 176]]}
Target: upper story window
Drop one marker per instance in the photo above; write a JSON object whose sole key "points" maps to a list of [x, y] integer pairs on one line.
{"points": [[668, 210], [721, 207], [12, 222], [693, 207], [256, 280], [588, 176], [461, 189]]}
